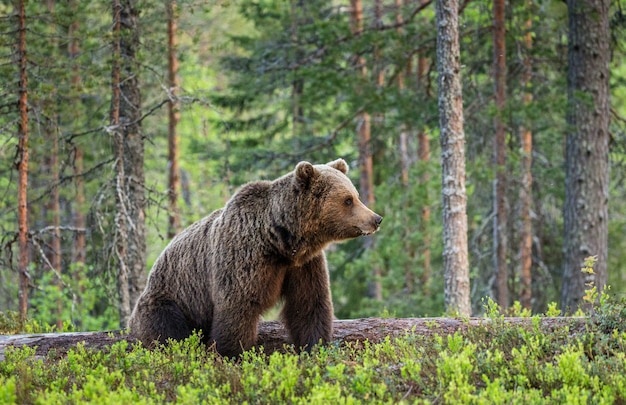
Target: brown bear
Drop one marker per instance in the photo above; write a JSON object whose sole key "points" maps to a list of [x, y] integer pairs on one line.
{"points": [[224, 271]]}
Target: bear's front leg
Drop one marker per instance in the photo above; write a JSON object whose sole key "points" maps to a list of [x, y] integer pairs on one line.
{"points": [[234, 331], [308, 309]]}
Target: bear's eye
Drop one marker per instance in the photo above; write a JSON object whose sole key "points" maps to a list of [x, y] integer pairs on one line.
{"points": [[348, 201]]}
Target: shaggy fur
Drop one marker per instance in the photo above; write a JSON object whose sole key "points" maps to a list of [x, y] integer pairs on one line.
{"points": [[220, 274]]}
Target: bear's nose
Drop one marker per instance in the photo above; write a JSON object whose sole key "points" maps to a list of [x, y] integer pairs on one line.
{"points": [[378, 219]]}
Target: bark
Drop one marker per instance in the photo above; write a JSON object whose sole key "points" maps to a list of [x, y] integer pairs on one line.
{"points": [[452, 138], [130, 244], [174, 117], [585, 210], [130, 113], [500, 242], [79, 245], [54, 251], [53, 207], [366, 166], [423, 157], [22, 163], [526, 137], [273, 336]]}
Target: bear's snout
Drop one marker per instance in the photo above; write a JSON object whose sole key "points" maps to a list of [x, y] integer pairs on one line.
{"points": [[372, 226], [377, 220]]}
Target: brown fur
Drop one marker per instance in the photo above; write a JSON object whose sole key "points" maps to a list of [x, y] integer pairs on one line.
{"points": [[220, 274]]}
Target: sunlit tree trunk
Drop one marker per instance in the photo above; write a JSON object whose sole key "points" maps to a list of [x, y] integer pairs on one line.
{"points": [[366, 166], [500, 242], [455, 258], [586, 157], [22, 162], [525, 196], [173, 116]]}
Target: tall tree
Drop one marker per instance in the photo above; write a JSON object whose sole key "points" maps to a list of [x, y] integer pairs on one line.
{"points": [[173, 117], [586, 157], [423, 157], [129, 149], [22, 161], [405, 161], [452, 137], [53, 208], [525, 195], [500, 242], [366, 165], [78, 217], [121, 234]]}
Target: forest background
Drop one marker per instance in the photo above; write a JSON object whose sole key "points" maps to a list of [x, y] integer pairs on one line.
{"points": [[255, 87]]}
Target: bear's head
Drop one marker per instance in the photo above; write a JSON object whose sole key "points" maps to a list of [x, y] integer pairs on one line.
{"points": [[334, 206]]}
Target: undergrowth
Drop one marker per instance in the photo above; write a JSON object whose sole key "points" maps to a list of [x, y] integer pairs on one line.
{"points": [[495, 363], [498, 362]]}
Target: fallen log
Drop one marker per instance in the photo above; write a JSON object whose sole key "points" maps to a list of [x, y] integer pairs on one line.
{"points": [[273, 336]]}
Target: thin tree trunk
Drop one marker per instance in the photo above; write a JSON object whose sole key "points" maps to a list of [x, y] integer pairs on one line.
{"points": [[455, 259], [79, 245], [423, 157], [585, 210], [174, 116], [376, 287], [366, 166], [22, 163], [121, 236], [500, 242], [297, 85], [54, 254], [527, 181], [405, 166], [53, 206]]}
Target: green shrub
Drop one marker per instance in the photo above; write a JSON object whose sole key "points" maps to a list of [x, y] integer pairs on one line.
{"points": [[496, 363]]}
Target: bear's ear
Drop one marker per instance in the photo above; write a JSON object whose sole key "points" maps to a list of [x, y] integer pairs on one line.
{"points": [[305, 173], [340, 165]]}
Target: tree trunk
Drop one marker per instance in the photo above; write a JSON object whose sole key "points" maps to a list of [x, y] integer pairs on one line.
{"points": [[130, 199], [273, 336], [130, 114], [525, 196], [120, 237], [53, 208], [22, 163], [456, 266], [174, 116], [500, 242], [366, 166], [585, 210], [405, 166], [79, 245], [423, 157]]}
